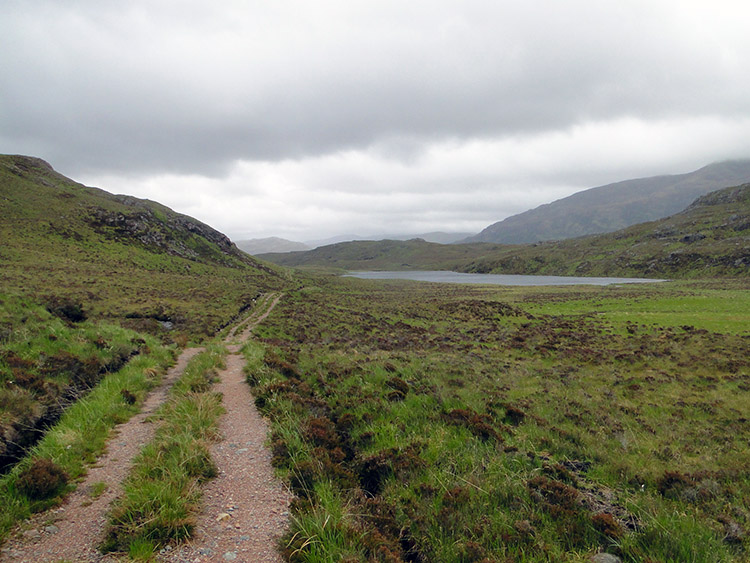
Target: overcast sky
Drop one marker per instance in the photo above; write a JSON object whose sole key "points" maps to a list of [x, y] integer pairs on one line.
{"points": [[306, 119]]}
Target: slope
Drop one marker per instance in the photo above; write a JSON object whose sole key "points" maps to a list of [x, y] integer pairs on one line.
{"points": [[614, 206], [415, 254], [119, 257], [709, 238]]}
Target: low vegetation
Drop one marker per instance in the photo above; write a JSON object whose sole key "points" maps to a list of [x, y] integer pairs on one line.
{"points": [[161, 493], [51, 467], [129, 261], [418, 422]]}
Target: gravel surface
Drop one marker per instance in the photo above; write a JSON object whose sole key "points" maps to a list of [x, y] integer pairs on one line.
{"points": [[244, 509], [74, 530]]}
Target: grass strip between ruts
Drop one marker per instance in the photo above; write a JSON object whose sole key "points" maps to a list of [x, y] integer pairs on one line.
{"points": [[162, 491]]}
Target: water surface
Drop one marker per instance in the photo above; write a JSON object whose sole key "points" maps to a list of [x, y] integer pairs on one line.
{"points": [[491, 279]]}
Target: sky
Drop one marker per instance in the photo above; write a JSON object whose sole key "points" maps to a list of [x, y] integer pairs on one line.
{"points": [[306, 119]]}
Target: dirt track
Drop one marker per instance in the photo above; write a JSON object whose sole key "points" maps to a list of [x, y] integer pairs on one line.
{"points": [[244, 509]]}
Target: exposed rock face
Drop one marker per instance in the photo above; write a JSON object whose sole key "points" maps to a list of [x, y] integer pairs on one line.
{"points": [[180, 222], [605, 558], [164, 231]]}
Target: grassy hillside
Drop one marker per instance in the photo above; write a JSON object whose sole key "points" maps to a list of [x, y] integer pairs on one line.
{"points": [[121, 258], [615, 206], [709, 238], [415, 254]]}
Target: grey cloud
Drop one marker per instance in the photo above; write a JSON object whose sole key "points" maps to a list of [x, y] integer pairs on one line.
{"points": [[152, 88]]}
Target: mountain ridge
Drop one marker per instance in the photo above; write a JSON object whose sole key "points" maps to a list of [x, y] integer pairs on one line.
{"points": [[710, 237], [614, 206]]}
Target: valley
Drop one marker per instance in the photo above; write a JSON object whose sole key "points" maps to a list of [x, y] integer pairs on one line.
{"points": [[411, 421], [707, 239]]}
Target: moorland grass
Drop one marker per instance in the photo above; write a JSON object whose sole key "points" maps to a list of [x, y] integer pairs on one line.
{"points": [[161, 493], [80, 435], [130, 261], [444, 423]]}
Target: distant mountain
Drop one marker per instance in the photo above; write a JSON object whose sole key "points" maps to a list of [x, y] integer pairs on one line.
{"points": [[436, 236], [614, 206], [710, 238], [127, 259], [271, 244]]}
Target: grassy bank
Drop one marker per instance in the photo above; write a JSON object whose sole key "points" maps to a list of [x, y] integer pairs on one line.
{"points": [[161, 493], [49, 357], [419, 422], [133, 262], [54, 464]]}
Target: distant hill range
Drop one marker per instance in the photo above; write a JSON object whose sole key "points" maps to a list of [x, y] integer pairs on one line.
{"points": [[439, 237], [414, 254], [271, 244], [709, 238], [279, 245], [614, 206]]}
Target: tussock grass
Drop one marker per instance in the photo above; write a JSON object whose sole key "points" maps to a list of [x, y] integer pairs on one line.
{"points": [[80, 435], [162, 491], [444, 423]]}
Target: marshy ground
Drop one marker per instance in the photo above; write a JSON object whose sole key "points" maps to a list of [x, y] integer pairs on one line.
{"points": [[422, 422]]}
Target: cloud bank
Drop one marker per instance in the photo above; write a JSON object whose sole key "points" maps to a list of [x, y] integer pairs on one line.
{"points": [[304, 119]]}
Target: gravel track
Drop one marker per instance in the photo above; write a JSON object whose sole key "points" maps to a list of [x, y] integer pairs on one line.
{"points": [[244, 509]]}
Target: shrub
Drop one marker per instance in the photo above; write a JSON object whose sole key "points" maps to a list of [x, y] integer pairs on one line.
{"points": [[673, 483], [42, 479], [66, 309], [607, 525]]}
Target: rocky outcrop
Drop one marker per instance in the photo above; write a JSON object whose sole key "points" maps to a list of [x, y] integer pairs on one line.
{"points": [[159, 229]]}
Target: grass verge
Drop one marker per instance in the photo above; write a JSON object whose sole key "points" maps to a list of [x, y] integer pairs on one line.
{"points": [[162, 491], [79, 437]]}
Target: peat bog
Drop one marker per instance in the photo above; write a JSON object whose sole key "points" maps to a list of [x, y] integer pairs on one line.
{"points": [[426, 422]]}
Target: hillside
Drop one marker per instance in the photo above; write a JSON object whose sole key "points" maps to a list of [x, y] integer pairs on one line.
{"points": [[119, 257], [709, 238], [614, 206], [415, 254]]}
